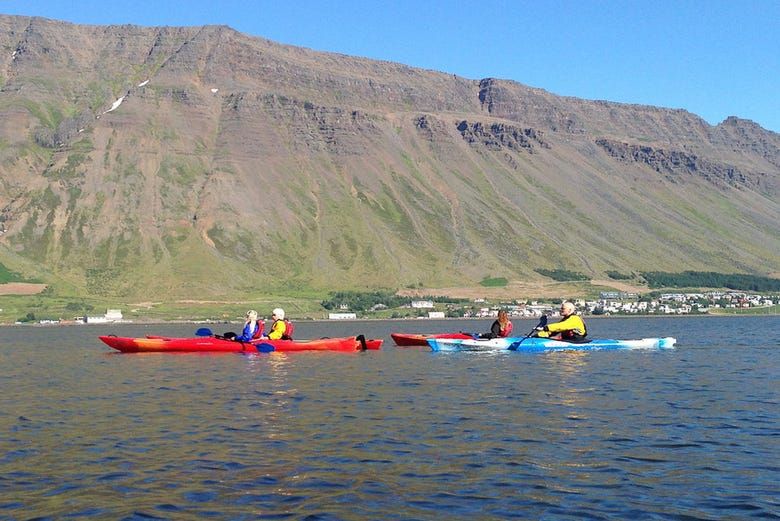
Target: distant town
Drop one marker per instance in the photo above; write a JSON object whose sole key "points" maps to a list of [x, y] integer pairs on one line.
{"points": [[615, 303], [609, 303]]}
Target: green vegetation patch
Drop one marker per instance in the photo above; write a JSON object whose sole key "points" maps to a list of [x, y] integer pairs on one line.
{"points": [[358, 301], [103, 281], [7, 275], [616, 275], [341, 250], [494, 282], [711, 279], [238, 243], [71, 168], [180, 172], [562, 275]]}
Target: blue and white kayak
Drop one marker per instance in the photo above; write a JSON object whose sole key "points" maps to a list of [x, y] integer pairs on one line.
{"points": [[537, 345]]}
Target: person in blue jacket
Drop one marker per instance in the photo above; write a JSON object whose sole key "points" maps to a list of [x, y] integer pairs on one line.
{"points": [[252, 328]]}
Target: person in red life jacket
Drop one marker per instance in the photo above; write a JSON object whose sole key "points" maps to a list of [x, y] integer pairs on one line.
{"points": [[501, 328], [570, 327], [253, 329], [281, 329]]}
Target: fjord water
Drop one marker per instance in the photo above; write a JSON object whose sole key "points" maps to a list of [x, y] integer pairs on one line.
{"points": [[402, 433]]}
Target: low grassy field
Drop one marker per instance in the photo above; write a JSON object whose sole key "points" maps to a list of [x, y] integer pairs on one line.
{"points": [[41, 307]]}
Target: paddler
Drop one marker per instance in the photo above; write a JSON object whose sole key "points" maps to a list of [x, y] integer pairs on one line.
{"points": [[570, 328], [281, 329], [252, 328], [502, 326]]}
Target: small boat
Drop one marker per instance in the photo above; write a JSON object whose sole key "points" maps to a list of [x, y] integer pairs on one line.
{"points": [[534, 344], [414, 339], [215, 344]]}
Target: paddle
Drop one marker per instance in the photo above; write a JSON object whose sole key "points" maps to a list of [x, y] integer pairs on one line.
{"points": [[265, 347], [542, 323], [204, 331]]}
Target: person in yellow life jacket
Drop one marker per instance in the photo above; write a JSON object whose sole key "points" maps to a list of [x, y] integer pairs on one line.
{"points": [[281, 329], [570, 327]]}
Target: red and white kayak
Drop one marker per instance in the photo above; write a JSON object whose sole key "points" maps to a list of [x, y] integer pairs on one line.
{"points": [[157, 344], [413, 339]]}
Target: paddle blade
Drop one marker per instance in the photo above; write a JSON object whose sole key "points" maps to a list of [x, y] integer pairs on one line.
{"points": [[515, 345], [265, 347], [204, 331]]}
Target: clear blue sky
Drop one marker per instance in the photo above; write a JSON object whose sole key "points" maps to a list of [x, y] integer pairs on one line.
{"points": [[715, 58]]}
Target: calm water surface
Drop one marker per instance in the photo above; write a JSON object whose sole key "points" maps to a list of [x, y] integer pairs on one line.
{"points": [[402, 433]]}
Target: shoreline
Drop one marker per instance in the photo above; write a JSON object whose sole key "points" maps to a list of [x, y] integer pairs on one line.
{"points": [[207, 323]]}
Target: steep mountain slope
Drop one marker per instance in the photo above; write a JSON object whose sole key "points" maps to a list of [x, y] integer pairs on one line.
{"points": [[192, 161]]}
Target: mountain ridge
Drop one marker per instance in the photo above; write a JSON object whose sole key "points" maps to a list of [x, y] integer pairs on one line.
{"points": [[233, 163]]}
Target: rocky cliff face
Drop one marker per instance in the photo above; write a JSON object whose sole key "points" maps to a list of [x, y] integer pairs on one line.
{"points": [[676, 163], [182, 161]]}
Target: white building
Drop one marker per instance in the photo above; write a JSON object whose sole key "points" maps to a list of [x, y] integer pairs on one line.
{"points": [[342, 316], [112, 315], [422, 304]]}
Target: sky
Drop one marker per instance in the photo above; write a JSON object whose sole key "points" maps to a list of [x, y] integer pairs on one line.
{"points": [[715, 58]]}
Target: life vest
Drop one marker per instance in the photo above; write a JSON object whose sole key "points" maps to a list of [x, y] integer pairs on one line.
{"points": [[571, 335], [508, 331], [259, 331], [288, 330]]}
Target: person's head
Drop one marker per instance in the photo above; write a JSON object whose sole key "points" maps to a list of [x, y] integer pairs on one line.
{"points": [[251, 315], [567, 308], [278, 314], [503, 316]]}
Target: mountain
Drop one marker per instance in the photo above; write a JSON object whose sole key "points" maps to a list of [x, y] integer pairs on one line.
{"points": [[142, 161]]}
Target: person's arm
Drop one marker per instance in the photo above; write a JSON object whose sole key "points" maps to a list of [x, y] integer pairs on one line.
{"points": [[495, 329], [246, 334]]}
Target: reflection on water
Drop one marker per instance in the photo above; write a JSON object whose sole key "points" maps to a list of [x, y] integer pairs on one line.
{"points": [[396, 434]]}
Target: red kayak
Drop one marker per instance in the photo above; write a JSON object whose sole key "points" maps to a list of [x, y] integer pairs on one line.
{"points": [[412, 339], [157, 344]]}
